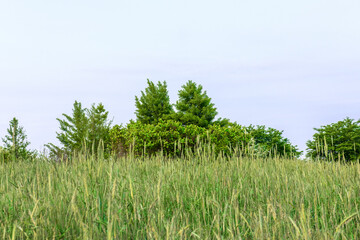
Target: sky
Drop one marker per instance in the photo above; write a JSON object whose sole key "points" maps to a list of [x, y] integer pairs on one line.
{"points": [[290, 65]]}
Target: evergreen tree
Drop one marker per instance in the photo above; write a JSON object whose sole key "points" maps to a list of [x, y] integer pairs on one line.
{"points": [[73, 130], [85, 128], [336, 141], [154, 103], [16, 141], [99, 127], [194, 106]]}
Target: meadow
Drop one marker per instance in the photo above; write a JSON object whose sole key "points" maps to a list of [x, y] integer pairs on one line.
{"points": [[196, 196]]}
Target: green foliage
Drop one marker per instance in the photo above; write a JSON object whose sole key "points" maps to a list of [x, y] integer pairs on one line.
{"points": [[270, 141], [167, 136], [5, 155], [171, 138], [15, 143], [86, 128], [228, 138], [194, 106], [223, 122], [154, 104], [99, 128], [73, 129], [336, 141]]}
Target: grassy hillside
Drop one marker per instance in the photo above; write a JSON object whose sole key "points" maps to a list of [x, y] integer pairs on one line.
{"points": [[196, 197]]}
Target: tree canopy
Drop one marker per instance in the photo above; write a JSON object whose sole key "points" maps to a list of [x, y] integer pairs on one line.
{"points": [[85, 128], [15, 142], [338, 141], [194, 106], [272, 141], [154, 103], [160, 127], [99, 127]]}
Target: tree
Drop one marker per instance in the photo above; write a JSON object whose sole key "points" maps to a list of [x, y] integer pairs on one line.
{"points": [[270, 140], [74, 129], [222, 122], [194, 106], [154, 103], [336, 141], [99, 127], [85, 128], [16, 141], [172, 138]]}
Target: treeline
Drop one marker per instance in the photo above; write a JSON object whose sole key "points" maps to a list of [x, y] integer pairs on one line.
{"points": [[174, 129]]}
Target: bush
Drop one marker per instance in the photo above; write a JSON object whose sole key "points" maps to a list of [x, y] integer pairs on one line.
{"points": [[336, 141], [228, 138], [149, 139], [172, 138], [270, 142]]}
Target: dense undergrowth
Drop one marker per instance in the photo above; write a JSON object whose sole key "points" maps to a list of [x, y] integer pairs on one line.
{"points": [[197, 196], [172, 137]]}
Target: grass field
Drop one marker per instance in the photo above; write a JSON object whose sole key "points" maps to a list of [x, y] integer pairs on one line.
{"points": [[196, 197]]}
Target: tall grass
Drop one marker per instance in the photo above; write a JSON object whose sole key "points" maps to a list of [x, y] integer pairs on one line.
{"points": [[197, 196]]}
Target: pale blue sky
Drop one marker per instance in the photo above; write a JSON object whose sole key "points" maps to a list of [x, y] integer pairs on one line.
{"points": [[291, 65]]}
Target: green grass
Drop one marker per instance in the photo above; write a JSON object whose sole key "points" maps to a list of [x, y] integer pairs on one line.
{"points": [[190, 198]]}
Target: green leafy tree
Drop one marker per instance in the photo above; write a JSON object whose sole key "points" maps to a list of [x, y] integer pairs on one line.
{"points": [[154, 103], [271, 141], [222, 122], [194, 106], [172, 138], [336, 142], [15, 143]]}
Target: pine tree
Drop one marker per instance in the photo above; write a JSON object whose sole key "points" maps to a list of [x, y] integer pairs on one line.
{"points": [[16, 141], [85, 129], [194, 106], [73, 130], [154, 104], [99, 127]]}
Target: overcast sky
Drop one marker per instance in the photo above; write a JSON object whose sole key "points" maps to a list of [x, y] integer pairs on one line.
{"points": [[291, 65]]}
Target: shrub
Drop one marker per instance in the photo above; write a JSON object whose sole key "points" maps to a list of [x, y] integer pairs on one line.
{"points": [[227, 138], [270, 141], [172, 138], [336, 141]]}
